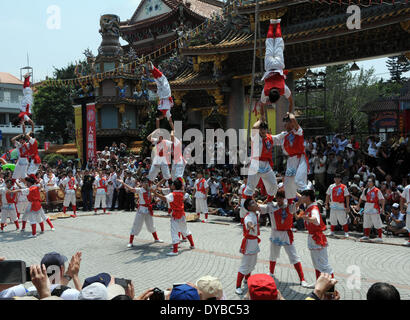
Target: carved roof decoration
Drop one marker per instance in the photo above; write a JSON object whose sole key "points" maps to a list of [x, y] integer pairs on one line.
{"points": [[313, 30], [197, 9]]}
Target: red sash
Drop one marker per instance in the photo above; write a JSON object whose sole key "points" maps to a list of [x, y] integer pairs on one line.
{"points": [[177, 206], [338, 193], [148, 202], [103, 184], [71, 183], [314, 230], [371, 197], [24, 151], [11, 197], [286, 225], [247, 236], [275, 81], [201, 186], [34, 198], [33, 150], [294, 146]]}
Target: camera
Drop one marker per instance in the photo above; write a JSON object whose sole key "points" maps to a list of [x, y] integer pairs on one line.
{"points": [[157, 294]]}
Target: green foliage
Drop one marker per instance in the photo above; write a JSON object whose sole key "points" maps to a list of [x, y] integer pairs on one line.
{"points": [[52, 158], [147, 129], [346, 93], [398, 65], [53, 109]]}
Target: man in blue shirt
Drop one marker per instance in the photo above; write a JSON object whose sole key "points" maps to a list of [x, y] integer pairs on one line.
{"points": [[395, 221]]}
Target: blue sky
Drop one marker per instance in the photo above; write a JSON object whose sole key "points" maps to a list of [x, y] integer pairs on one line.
{"points": [[23, 26]]}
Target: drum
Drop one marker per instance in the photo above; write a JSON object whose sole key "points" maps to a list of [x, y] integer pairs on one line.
{"points": [[60, 194], [43, 196], [53, 194]]}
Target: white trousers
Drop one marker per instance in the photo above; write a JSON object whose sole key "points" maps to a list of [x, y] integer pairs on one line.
{"points": [[22, 207], [177, 171], [201, 205], [8, 213], [35, 216], [20, 171], [248, 263], [156, 169], [269, 180], [69, 198], [372, 220], [140, 219], [295, 177], [320, 260], [408, 222], [33, 167], [179, 225], [290, 250], [274, 58], [338, 216], [100, 200]]}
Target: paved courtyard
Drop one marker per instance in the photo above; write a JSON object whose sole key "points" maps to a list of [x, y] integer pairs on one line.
{"points": [[103, 240]]}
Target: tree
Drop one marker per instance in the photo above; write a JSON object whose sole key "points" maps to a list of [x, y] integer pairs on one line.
{"points": [[398, 65], [53, 109]]}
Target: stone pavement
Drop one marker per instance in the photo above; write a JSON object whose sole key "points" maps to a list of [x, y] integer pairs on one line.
{"points": [[103, 240]]}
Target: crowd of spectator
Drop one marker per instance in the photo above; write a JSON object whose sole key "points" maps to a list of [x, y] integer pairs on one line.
{"points": [[50, 280]]}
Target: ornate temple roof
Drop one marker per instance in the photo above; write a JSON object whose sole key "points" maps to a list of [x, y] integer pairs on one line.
{"points": [[199, 9], [312, 30]]}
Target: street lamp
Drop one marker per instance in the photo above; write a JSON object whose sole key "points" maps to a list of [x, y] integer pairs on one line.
{"points": [[354, 67]]}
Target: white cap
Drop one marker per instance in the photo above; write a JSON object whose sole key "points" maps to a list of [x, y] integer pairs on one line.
{"points": [[95, 291], [115, 290], [349, 146], [70, 294], [210, 287], [396, 205]]}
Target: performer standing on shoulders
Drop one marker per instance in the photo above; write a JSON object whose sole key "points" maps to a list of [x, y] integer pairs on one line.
{"points": [[164, 93], [162, 157], [20, 171], [35, 160], [25, 108], [338, 196], [317, 242], [292, 143]]}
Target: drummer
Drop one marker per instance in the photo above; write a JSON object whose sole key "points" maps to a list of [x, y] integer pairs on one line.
{"points": [[49, 182]]}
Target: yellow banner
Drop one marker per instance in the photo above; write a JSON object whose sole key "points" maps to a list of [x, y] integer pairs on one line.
{"points": [[79, 131], [271, 116]]}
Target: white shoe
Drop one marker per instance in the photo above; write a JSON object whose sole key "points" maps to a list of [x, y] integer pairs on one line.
{"points": [[2, 231], [346, 235], [239, 291], [330, 234], [33, 236], [130, 245], [275, 21], [407, 244], [378, 240], [41, 232], [172, 254], [159, 241], [304, 284], [53, 229], [364, 238]]}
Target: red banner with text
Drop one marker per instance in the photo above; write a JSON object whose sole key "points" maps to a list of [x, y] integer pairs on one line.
{"points": [[91, 133]]}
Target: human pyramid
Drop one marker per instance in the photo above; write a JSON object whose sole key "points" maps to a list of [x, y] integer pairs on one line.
{"points": [[20, 191], [21, 194]]}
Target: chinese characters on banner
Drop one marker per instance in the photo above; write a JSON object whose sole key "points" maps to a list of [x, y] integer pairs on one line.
{"points": [[79, 130], [91, 133]]}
